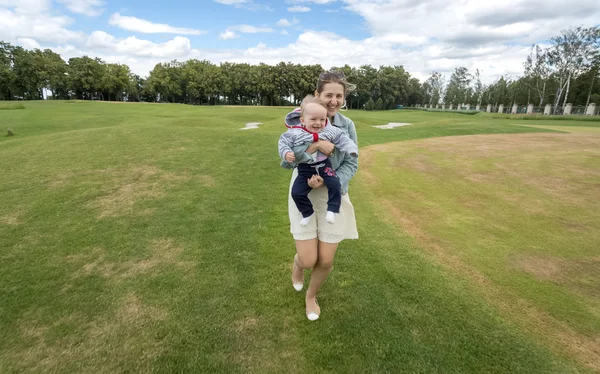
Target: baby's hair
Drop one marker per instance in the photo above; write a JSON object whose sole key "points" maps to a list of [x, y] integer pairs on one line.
{"points": [[310, 99]]}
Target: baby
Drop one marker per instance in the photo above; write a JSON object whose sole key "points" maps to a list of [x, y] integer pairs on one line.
{"points": [[314, 126]]}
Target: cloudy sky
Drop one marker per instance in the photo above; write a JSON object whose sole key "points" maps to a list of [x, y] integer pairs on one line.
{"points": [[425, 35]]}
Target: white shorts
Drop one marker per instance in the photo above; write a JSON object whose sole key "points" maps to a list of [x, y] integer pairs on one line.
{"points": [[345, 222]]}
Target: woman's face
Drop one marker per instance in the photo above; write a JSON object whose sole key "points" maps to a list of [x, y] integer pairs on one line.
{"points": [[332, 97]]}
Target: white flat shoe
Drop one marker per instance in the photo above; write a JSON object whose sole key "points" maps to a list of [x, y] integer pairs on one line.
{"points": [[313, 316], [297, 286]]}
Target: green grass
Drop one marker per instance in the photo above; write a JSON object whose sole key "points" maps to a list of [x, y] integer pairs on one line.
{"points": [[11, 105], [467, 112], [143, 237]]}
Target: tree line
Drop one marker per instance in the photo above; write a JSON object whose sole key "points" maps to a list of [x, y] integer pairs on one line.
{"points": [[565, 70]]}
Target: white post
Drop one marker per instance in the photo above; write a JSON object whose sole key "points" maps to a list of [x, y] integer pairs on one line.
{"points": [[450, 107], [443, 106], [489, 108], [514, 109], [468, 107], [591, 110], [478, 107], [568, 109], [501, 108], [530, 109], [548, 109]]}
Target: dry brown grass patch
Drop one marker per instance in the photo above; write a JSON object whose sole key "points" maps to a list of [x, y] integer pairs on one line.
{"points": [[106, 342], [578, 275], [562, 337], [506, 163], [161, 254], [121, 189], [133, 311], [12, 219], [541, 268]]}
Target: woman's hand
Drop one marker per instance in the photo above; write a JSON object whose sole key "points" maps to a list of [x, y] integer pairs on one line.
{"points": [[325, 147], [315, 182]]}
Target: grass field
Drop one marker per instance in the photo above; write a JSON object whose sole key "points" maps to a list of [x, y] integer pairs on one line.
{"points": [[144, 237]]}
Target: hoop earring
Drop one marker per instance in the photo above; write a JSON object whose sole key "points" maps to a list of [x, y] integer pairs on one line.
{"points": [[344, 107]]}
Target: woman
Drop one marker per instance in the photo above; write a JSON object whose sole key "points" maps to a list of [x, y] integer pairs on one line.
{"points": [[317, 243]]}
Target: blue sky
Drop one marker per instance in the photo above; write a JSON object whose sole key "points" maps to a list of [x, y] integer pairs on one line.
{"points": [[429, 35], [214, 18]]}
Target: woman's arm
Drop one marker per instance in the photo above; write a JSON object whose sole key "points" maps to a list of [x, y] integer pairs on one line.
{"points": [[303, 152], [349, 165], [324, 146]]}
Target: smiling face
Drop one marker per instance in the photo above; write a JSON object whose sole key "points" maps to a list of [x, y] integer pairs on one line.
{"points": [[332, 96], [314, 117]]}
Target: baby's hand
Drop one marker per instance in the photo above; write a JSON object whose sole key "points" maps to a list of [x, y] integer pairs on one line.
{"points": [[289, 157]]}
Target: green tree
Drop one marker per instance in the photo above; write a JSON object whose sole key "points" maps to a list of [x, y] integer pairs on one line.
{"points": [[86, 77], [459, 90], [56, 75], [7, 75], [571, 54]]}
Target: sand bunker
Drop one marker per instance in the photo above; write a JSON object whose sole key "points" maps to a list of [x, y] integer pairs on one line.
{"points": [[391, 125], [251, 126]]}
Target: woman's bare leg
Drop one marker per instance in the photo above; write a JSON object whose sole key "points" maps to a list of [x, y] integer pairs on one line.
{"points": [[305, 258], [326, 253]]}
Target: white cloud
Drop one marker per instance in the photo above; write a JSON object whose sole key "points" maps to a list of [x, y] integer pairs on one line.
{"points": [[472, 22], [246, 4], [298, 9], [284, 32], [285, 23], [141, 65], [29, 43], [26, 6], [248, 29], [319, 2], [132, 46], [423, 36], [230, 2], [144, 26], [228, 34], [142, 55], [87, 7], [39, 27], [418, 60]]}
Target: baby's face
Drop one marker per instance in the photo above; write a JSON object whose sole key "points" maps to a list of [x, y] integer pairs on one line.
{"points": [[314, 117]]}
